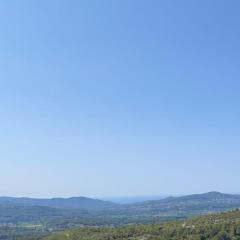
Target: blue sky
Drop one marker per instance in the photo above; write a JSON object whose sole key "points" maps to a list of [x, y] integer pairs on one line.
{"points": [[119, 98]]}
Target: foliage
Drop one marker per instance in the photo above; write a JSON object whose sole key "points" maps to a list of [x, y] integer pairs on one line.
{"points": [[222, 226]]}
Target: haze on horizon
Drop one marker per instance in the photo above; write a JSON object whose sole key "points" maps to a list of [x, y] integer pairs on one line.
{"points": [[119, 98]]}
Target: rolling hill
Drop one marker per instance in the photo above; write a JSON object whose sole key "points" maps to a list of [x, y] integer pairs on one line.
{"points": [[223, 226], [63, 203], [93, 212], [22, 215], [191, 204]]}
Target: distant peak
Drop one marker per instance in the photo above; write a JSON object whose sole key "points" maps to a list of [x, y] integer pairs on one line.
{"points": [[216, 193]]}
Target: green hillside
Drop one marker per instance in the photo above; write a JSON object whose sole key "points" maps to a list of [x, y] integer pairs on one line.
{"points": [[222, 226], [17, 221]]}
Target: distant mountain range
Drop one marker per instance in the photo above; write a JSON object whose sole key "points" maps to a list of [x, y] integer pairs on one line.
{"points": [[64, 203], [194, 204], [60, 213], [133, 199], [207, 201], [41, 216]]}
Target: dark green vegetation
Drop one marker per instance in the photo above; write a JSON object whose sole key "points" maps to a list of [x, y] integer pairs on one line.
{"points": [[223, 226], [20, 217]]}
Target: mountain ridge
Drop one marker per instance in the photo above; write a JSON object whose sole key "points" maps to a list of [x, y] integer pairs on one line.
{"points": [[207, 200], [194, 204], [57, 202]]}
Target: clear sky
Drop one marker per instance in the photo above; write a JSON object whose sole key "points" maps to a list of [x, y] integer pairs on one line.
{"points": [[112, 98]]}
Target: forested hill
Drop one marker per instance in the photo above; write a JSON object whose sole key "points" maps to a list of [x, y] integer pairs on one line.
{"points": [[64, 203], [223, 226], [19, 219], [93, 212], [194, 204], [207, 201]]}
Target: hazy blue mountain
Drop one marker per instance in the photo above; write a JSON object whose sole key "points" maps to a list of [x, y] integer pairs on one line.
{"points": [[65, 203], [132, 199], [207, 202], [59, 214], [196, 203]]}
